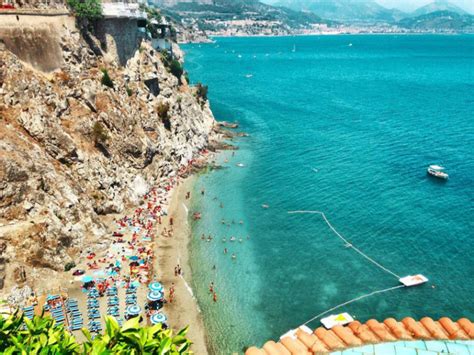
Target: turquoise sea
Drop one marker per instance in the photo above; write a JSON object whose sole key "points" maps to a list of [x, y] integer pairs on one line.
{"points": [[346, 125]]}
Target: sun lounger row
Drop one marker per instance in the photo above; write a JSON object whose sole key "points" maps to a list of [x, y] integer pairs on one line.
{"points": [[76, 321]]}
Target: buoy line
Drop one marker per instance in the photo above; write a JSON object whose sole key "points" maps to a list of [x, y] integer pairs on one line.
{"points": [[348, 244], [351, 301]]}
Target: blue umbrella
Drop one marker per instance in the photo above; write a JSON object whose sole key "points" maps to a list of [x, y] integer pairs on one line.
{"points": [[134, 258], [156, 286], [134, 309], [154, 296], [87, 278], [158, 318]]}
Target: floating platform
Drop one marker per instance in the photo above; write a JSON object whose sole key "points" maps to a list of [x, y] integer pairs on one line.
{"points": [[336, 319], [414, 280]]}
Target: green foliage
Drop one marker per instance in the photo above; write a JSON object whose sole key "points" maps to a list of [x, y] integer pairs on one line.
{"points": [[106, 80], [99, 133], [43, 336], [86, 9], [172, 65], [201, 92], [69, 266], [133, 339], [129, 91], [40, 336], [176, 68]]}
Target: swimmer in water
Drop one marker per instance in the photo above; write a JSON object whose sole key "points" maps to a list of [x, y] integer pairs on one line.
{"points": [[232, 239], [224, 240], [241, 222], [222, 221], [221, 205], [241, 240], [225, 250], [203, 237], [234, 256]]}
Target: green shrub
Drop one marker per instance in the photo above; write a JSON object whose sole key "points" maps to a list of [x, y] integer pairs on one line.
{"points": [[86, 9], [129, 91], [99, 133], [106, 80], [201, 92], [69, 266], [176, 68], [44, 336]]}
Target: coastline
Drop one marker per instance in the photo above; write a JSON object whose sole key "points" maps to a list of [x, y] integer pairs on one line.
{"points": [[184, 311]]}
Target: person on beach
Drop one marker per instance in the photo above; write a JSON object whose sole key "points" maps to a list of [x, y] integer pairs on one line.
{"points": [[179, 270], [175, 271], [171, 221]]}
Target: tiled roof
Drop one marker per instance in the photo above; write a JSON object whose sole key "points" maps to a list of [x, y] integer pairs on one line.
{"points": [[304, 341]]}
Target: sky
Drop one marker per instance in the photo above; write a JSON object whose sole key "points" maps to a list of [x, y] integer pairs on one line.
{"points": [[410, 5]]}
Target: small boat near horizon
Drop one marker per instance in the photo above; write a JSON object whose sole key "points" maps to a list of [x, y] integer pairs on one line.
{"points": [[437, 171]]}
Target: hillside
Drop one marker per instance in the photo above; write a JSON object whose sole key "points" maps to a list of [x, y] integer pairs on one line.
{"points": [[223, 14], [440, 21], [345, 10], [438, 5], [76, 147]]}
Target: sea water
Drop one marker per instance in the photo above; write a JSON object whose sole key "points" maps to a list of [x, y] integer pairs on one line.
{"points": [[346, 125]]}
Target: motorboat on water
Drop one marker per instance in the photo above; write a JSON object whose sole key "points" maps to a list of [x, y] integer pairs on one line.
{"points": [[438, 172]]}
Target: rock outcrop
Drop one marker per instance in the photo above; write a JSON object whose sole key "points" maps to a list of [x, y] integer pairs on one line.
{"points": [[73, 150]]}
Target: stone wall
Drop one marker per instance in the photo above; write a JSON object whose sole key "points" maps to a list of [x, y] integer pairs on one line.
{"points": [[119, 38], [35, 39]]}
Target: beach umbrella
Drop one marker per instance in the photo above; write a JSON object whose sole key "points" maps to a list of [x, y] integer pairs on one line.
{"points": [[158, 318], [156, 286], [87, 279], [154, 296], [134, 309], [134, 258]]}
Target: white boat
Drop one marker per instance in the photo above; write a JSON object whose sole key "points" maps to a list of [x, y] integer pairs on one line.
{"points": [[336, 319], [437, 171]]}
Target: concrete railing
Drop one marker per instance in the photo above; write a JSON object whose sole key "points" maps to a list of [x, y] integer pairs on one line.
{"points": [[123, 10]]}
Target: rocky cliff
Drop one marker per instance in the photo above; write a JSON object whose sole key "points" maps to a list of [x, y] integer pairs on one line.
{"points": [[73, 150]]}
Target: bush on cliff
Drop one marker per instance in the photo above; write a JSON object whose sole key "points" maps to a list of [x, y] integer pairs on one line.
{"points": [[176, 68], [201, 92], [99, 133], [106, 80], [172, 65], [86, 9], [162, 111], [44, 336]]}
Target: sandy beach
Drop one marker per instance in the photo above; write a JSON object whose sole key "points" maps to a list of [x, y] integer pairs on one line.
{"points": [[169, 252]]}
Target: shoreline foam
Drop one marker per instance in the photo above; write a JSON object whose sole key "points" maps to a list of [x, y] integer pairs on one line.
{"points": [[184, 311]]}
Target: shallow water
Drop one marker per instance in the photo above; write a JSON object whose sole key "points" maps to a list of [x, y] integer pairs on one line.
{"points": [[347, 130]]}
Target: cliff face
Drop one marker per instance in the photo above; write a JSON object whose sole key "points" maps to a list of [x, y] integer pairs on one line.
{"points": [[73, 150]]}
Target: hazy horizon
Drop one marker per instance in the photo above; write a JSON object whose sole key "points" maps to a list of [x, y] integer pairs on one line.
{"points": [[411, 5]]}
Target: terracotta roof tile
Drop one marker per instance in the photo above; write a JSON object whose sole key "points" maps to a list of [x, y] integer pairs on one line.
{"points": [[416, 329], [398, 329], [312, 342], [273, 348], [322, 341], [381, 330], [331, 340], [363, 332], [295, 346], [255, 351], [467, 326], [347, 335], [453, 329], [434, 328]]}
